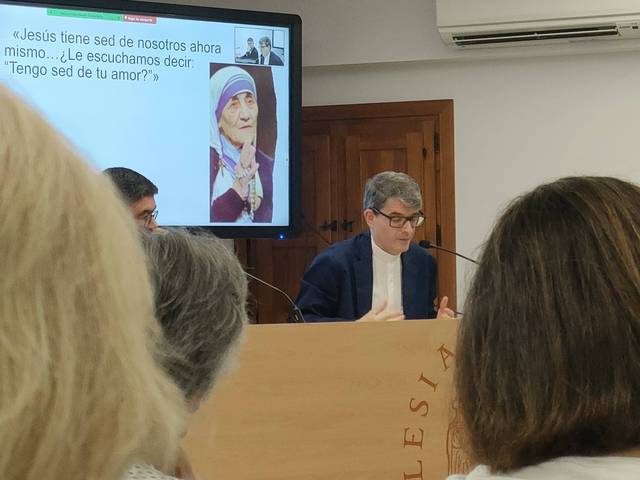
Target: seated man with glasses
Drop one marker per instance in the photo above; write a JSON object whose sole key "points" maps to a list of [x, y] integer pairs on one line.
{"points": [[379, 275], [139, 193]]}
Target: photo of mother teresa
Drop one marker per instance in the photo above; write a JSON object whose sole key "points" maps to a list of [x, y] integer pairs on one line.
{"points": [[241, 174]]}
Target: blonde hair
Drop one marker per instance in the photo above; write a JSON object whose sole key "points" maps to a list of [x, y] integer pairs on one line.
{"points": [[82, 394]]}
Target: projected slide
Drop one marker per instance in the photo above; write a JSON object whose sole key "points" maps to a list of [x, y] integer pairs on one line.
{"points": [[201, 108]]}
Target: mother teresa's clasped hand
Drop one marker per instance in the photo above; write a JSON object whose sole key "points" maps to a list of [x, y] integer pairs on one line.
{"points": [[444, 312], [378, 314], [245, 170]]}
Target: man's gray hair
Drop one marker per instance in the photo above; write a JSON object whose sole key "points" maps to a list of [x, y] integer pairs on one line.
{"points": [[200, 295], [265, 41], [386, 185]]}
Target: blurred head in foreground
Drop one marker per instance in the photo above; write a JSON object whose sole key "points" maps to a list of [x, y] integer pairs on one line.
{"points": [[548, 355], [82, 394], [200, 297]]}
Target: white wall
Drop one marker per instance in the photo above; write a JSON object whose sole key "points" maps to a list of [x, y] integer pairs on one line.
{"points": [[349, 32], [518, 120]]}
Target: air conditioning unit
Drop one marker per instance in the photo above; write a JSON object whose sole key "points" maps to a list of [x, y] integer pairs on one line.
{"points": [[503, 23]]}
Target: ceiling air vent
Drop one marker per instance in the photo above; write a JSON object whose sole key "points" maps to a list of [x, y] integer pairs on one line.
{"points": [[503, 23], [582, 33]]}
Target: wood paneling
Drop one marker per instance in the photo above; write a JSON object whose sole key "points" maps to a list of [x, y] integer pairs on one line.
{"points": [[312, 402]]}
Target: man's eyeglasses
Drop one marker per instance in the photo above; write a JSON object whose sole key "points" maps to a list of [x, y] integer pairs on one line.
{"points": [[147, 217], [396, 221]]}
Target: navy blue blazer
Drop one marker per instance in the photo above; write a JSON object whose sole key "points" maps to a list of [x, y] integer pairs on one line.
{"points": [[338, 285], [274, 59]]}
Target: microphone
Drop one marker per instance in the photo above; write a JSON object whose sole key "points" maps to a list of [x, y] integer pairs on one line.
{"points": [[297, 314], [427, 244]]}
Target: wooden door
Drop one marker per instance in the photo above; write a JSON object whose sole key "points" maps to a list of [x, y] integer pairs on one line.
{"points": [[283, 262], [402, 145], [343, 146]]}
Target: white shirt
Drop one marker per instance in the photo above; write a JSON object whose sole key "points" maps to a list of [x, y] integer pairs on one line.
{"points": [[387, 279], [566, 468]]}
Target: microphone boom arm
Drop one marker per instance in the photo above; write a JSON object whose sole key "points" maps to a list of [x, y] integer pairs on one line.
{"points": [[427, 244], [297, 314]]}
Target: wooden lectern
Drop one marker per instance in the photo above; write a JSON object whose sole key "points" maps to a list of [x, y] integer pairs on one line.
{"points": [[334, 401]]}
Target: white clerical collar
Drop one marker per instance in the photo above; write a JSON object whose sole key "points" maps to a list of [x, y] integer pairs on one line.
{"points": [[380, 254]]}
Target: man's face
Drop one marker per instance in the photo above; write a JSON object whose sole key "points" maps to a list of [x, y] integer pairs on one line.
{"points": [[143, 211], [392, 240], [249, 44], [239, 119], [264, 49]]}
